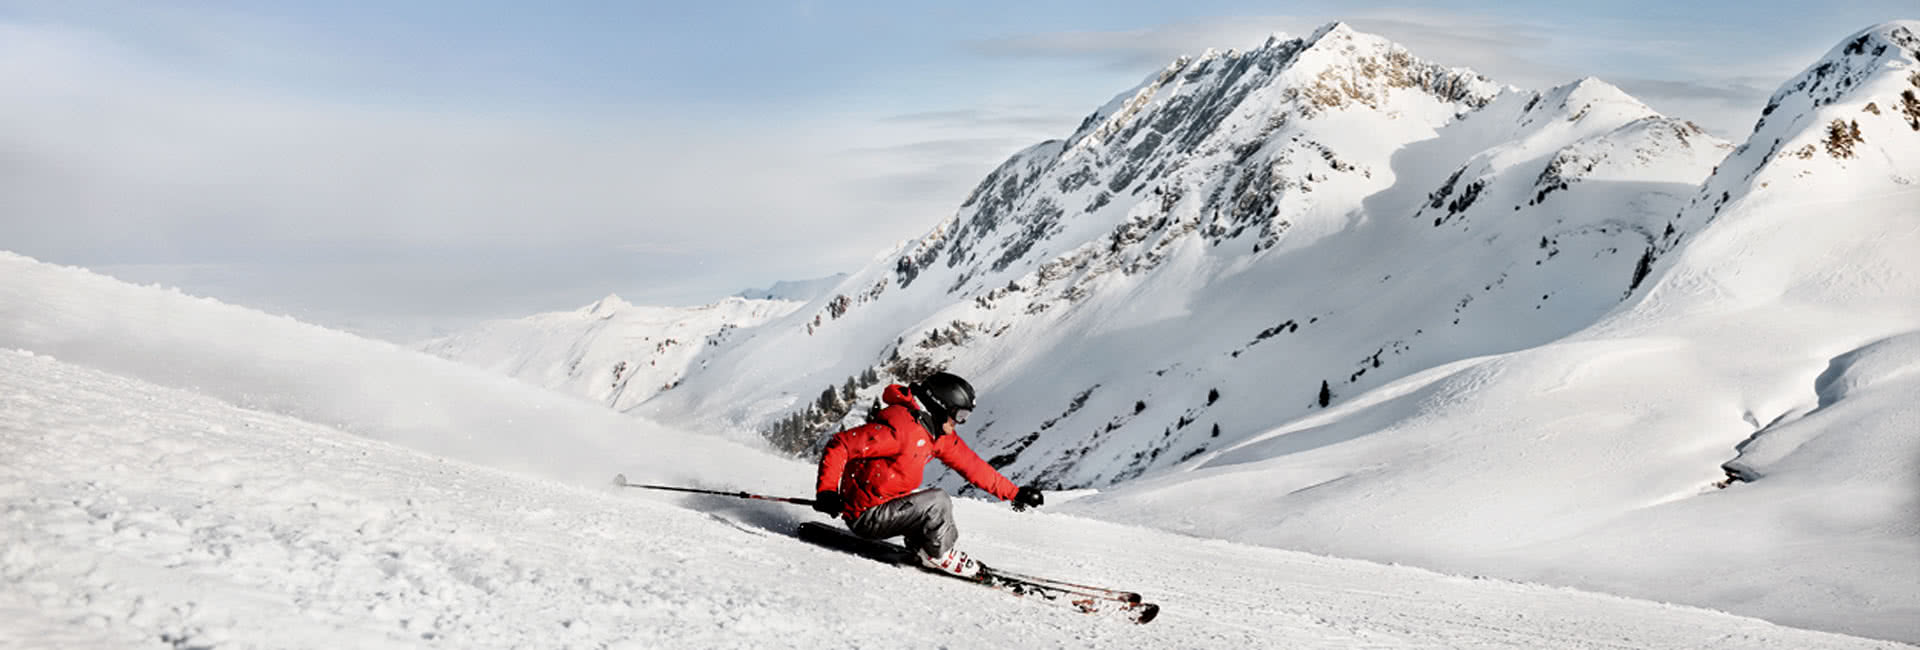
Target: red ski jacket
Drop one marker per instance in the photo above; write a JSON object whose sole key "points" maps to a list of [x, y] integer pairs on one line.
{"points": [[881, 461]]}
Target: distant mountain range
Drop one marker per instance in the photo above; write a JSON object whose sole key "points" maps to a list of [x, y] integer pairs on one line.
{"points": [[798, 290], [611, 352]]}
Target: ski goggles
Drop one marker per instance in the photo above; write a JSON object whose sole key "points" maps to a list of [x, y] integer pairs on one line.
{"points": [[960, 416]]}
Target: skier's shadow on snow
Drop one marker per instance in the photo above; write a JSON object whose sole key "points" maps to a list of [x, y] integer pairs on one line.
{"points": [[755, 517]]}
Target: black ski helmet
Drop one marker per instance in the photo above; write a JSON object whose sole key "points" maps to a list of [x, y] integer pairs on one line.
{"points": [[945, 395]]}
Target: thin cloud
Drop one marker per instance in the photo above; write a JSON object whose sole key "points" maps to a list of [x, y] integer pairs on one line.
{"points": [[1026, 118], [1726, 109], [939, 117], [250, 194], [947, 184], [1740, 91], [955, 148], [1140, 49]]}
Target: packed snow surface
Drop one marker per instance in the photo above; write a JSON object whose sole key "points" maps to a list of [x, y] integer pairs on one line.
{"points": [[143, 516]]}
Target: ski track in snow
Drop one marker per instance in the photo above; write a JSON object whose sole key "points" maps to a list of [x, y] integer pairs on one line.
{"points": [[141, 516]]}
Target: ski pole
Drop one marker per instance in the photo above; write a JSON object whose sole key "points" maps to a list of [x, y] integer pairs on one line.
{"points": [[621, 480]]}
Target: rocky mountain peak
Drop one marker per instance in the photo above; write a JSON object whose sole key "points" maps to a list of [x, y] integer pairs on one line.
{"points": [[1177, 133], [1893, 46], [1848, 125], [1336, 30]]}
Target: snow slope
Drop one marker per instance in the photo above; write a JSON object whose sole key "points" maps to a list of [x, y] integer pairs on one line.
{"points": [[143, 516], [370, 388]]}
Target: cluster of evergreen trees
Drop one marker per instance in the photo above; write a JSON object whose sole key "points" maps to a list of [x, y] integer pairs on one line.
{"points": [[800, 431]]}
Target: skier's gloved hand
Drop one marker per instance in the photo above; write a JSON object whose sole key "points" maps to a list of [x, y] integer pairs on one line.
{"points": [[828, 501], [1029, 497]]}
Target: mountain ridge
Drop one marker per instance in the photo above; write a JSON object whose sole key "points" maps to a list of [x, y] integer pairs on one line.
{"points": [[1017, 251], [1613, 334]]}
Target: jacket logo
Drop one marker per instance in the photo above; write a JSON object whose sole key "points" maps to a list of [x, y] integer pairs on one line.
{"points": [[921, 443]]}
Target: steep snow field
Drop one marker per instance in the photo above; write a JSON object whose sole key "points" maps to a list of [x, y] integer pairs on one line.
{"points": [[143, 516]]}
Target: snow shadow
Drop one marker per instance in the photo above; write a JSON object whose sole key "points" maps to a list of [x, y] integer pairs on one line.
{"points": [[752, 516]]}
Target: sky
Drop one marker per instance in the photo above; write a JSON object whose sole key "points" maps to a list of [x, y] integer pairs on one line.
{"points": [[407, 169]]}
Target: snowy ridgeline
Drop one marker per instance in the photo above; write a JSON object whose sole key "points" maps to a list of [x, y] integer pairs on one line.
{"points": [[802, 291], [616, 353], [1358, 303], [143, 516], [610, 352]]}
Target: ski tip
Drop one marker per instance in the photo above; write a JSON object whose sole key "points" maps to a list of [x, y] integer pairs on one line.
{"points": [[620, 480], [1148, 611]]}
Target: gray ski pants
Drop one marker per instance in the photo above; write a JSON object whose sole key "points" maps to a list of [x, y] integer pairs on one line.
{"points": [[924, 518]]}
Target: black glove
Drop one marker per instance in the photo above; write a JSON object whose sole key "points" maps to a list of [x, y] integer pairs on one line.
{"points": [[828, 502], [1029, 497]]}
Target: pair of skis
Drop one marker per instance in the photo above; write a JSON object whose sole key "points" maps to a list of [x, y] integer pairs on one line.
{"points": [[1086, 599]]}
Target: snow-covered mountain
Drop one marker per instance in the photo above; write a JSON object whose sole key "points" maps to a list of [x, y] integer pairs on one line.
{"points": [[1334, 291], [1746, 417], [175, 472], [1208, 250], [610, 352], [1359, 303]]}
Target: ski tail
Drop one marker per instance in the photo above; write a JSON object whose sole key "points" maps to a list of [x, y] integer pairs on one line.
{"points": [[1102, 592], [1088, 599]]}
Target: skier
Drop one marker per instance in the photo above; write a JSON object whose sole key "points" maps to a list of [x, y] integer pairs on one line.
{"points": [[869, 474]]}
